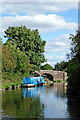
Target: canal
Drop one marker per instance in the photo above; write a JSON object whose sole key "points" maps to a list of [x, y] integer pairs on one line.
{"points": [[39, 102]]}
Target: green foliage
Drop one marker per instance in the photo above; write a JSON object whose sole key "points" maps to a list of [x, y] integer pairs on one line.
{"points": [[62, 66], [46, 67], [22, 53], [0, 58], [15, 64], [74, 74], [8, 62], [74, 64], [0, 40], [7, 85], [27, 41]]}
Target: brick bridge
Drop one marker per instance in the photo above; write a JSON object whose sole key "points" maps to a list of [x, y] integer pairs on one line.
{"points": [[52, 74]]}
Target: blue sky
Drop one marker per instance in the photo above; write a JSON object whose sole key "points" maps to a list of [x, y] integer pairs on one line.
{"points": [[54, 20]]}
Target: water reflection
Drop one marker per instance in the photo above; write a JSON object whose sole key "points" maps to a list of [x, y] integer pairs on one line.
{"points": [[39, 102], [74, 107], [15, 105], [32, 92], [55, 101]]}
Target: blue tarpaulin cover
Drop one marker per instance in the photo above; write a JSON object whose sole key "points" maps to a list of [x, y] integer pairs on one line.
{"points": [[33, 80]]}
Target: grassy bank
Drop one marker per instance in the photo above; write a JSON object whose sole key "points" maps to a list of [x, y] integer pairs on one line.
{"points": [[47, 80], [9, 84], [60, 80]]}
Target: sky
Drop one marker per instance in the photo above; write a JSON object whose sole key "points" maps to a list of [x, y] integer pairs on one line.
{"points": [[54, 20]]}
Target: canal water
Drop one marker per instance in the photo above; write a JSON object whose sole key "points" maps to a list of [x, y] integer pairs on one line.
{"points": [[39, 102]]}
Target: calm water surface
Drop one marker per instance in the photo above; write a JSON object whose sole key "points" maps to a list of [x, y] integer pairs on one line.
{"points": [[39, 102]]}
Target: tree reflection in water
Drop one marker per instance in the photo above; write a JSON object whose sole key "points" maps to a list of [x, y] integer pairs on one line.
{"points": [[74, 107], [17, 105], [40, 102]]}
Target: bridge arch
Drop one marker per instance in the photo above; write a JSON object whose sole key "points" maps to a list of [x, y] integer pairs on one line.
{"points": [[49, 76], [52, 74]]}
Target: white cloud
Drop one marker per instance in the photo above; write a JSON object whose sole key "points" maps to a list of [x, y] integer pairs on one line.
{"points": [[39, 0], [55, 60], [52, 60], [30, 8], [57, 48], [61, 44], [58, 45], [44, 23]]}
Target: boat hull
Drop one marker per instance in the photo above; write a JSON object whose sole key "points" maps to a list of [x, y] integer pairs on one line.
{"points": [[28, 85]]}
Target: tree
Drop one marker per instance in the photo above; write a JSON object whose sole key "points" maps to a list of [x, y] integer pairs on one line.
{"points": [[8, 62], [15, 64], [29, 42], [75, 49], [23, 64], [74, 64], [62, 66], [0, 59], [46, 67]]}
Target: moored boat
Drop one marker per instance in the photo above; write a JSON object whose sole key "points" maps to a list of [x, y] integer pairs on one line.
{"points": [[32, 81]]}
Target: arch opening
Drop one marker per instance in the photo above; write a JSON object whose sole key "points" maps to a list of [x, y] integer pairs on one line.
{"points": [[49, 76]]}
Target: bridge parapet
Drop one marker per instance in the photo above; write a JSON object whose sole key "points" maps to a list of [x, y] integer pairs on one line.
{"points": [[57, 75]]}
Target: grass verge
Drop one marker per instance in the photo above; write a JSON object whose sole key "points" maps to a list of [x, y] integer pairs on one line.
{"points": [[60, 80], [8, 84]]}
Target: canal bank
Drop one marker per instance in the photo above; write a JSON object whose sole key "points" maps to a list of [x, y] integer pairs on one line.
{"points": [[8, 86]]}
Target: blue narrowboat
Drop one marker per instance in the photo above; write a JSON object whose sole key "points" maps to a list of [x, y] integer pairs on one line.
{"points": [[32, 81]]}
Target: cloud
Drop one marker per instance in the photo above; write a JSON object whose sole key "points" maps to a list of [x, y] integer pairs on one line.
{"points": [[57, 48], [44, 23], [39, 0], [52, 60], [32, 8], [58, 45]]}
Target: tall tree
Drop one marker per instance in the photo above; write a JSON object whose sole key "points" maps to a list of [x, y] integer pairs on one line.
{"points": [[75, 49], [0, 59], [8, 62], [62, 66], [28, 41], [74, 63], [15, 63], [47, 67]]}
